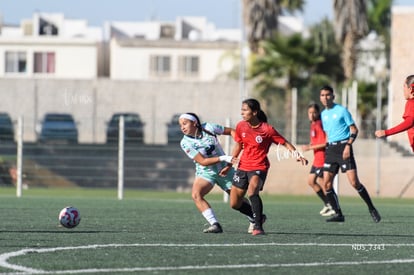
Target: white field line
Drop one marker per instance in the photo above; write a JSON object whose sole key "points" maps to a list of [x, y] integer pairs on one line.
{"points": [[18, 269]]}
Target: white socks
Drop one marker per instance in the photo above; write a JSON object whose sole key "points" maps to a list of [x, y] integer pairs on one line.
{"points": [[209, 216]]}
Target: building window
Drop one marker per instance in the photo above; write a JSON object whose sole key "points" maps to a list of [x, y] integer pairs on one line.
{"points": [[15, 62], [160, 65], [188, 66], [44, 62]]}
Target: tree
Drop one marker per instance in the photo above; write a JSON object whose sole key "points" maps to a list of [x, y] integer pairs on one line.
{"points": [[330, 69], [261, 18], [351, 24], [286, 62]]}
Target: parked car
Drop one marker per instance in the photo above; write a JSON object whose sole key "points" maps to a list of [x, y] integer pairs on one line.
{"points": [[174, 134], [57, 127], [6, 128], [134, 128]]}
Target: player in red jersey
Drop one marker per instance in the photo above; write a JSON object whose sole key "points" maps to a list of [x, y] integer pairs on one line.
{"points": [[317, 144], [408, 117], [254, 136]]}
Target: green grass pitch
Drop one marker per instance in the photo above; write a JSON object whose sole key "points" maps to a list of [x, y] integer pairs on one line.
{"points": [[161, 233]]}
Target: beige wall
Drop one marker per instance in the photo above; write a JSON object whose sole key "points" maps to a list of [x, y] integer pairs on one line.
{"points": [[402, 65], [92, 102]]}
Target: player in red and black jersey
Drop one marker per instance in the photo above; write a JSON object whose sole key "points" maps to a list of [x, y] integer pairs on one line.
{"points": [[254, 136], [408, 117], [317, 144]]}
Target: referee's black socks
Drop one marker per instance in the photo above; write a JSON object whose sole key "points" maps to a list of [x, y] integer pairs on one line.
{"points": [[365, 196]]}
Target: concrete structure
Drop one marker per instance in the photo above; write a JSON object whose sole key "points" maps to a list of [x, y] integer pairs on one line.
{"points": [[49, 46], [92, 102], [402, 57]]}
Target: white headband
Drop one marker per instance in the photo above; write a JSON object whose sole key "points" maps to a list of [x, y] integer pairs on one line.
{"points": [[189, 117]]}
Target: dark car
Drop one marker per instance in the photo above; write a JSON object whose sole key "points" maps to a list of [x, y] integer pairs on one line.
{"points": [[134, 128], [6, 128], [174, 134], [58, 127]]}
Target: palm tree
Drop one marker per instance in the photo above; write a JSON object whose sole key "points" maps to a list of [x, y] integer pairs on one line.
{"points": [[379, 20], [351, 24], [261, 18], [286, 62], [330, 70]]}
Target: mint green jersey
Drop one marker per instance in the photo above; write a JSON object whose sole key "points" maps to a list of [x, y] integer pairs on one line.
{"points": [[208, 146]]}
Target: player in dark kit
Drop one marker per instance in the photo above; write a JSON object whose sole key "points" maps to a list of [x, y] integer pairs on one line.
{"points": [[317, 144], [341, 131], [254, 136]]}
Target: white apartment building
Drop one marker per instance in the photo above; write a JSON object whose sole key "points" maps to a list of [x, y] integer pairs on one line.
{"points": [[189, 49], [49, 46]]}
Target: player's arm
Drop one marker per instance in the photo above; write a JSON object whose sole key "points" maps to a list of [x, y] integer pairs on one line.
{"points": [[229, 131], [200, 159], [403, 126], [308, 147], [295, 152], [353, 134], [237, 149]]}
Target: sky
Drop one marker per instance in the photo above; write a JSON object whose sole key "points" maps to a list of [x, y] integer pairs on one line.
{"points": [[223, 13]]}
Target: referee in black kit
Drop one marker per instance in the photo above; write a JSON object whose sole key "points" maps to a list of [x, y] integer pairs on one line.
{"points": [[341, 133]]}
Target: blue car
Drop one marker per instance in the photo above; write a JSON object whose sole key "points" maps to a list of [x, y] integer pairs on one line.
{"points": [[57, 127]]}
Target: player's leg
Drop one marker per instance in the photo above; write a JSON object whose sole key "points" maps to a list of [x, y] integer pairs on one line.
{"points": [[363, 193], [333, 158], [225, 184], [256, 183], [332, 197], [315, 182], [202, 187]]}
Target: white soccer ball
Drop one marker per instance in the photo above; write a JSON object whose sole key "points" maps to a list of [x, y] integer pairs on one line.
{"points": [[69, 217]]}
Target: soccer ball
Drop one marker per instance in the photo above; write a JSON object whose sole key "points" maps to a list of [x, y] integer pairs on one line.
{"points": [[69, 217]]}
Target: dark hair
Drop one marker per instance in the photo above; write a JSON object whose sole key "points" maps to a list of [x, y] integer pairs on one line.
{"points": [[254, 105], [409, 80], [316, 107], [198, 125], [327, 88]]}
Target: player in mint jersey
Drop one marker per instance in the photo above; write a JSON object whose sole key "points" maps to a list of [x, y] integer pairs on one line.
{"points": [[341, 131], [200, 143]]}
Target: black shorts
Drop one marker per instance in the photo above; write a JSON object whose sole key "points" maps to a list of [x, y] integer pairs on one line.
{"points": [[334, 160], [242, 178], [318, 171]]}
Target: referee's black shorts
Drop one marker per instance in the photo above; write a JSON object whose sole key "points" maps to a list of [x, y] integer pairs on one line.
{"points": [[334, 160]]}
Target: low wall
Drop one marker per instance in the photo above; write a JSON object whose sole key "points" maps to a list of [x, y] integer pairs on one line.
{"points": [[390, 175]]}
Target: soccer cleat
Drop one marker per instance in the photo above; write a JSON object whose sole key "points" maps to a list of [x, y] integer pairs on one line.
{"points": [[329, 213], [375, 215], [258, 231], [325, 209], [214, 228], [251, 225], [336, 218]]}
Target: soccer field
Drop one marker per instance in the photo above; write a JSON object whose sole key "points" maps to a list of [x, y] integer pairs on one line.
{"points": [[161, 233]]}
